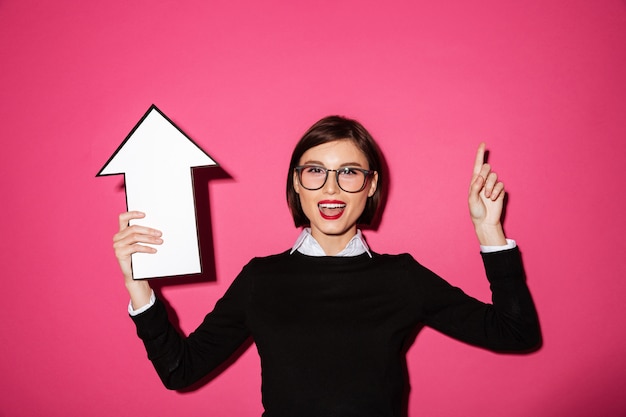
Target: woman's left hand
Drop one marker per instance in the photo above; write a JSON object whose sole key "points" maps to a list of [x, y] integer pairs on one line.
{"points": [[486, 200]]}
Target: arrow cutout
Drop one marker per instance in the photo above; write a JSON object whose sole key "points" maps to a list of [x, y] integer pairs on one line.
{"points": [[156, 159]]}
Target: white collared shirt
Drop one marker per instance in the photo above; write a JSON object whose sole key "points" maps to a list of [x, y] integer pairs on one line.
{"points": [[307, 245]]}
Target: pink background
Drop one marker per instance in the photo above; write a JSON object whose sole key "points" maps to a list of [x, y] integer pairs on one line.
{"points": [[543, 82]]}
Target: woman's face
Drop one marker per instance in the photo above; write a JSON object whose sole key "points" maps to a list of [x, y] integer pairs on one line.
{"points": [[332, 212]]}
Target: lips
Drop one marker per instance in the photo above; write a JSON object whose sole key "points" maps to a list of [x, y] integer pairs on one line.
{"points": [[331, 209]]}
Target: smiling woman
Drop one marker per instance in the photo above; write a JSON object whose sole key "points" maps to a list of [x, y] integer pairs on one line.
{"points": [[330, 317], [326, 131]]}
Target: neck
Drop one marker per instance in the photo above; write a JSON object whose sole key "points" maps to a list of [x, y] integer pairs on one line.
{"points": [[333, 244]]}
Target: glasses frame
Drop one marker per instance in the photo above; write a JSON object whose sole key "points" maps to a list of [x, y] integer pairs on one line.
{"points": [[366, 172]]}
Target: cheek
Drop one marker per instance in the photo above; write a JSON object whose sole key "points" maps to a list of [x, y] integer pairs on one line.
{"points": [[357, 206], [308, 206], [363, 204], [308, 202]]}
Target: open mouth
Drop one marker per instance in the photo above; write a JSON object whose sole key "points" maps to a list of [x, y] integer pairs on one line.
{"points": [[331, 209]]}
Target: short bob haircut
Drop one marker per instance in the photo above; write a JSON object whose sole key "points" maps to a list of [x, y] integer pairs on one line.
{"points": [[330, 129]]}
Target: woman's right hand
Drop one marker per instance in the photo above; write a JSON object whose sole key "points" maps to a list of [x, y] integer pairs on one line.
{"points": [[129, 240]]}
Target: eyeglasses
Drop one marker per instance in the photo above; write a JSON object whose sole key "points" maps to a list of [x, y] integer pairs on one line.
{"points": [[349, 179]]}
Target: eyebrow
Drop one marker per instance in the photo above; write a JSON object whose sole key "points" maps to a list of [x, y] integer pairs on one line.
{"points": [[347, 164]]}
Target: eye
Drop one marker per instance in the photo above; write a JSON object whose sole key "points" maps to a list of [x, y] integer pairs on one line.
{"points": [[349, 171], [314, 170]]}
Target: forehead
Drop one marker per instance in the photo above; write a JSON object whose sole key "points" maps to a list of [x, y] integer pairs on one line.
{"points": [[334, 154]]}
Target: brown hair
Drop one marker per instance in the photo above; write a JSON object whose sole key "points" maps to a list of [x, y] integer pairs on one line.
{"points": [[330, 129]]}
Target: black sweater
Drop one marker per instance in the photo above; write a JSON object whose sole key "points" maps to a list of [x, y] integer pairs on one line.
{"points": [[331, 331]]}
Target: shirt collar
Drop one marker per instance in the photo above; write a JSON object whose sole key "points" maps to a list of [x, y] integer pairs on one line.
{"points": [[307, 245]]}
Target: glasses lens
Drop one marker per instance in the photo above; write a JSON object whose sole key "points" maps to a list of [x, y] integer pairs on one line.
{"points": [[351, 179], [312, 177]]}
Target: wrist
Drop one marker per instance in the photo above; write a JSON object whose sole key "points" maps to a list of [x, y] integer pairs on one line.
{"points": [[490, 235], [139, 291]]}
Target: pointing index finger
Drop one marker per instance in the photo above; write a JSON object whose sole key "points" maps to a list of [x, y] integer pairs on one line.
{"points": [[480, 158]]}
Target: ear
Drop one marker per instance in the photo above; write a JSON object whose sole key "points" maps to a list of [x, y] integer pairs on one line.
{"points": [[373, 185], [296, 183]]}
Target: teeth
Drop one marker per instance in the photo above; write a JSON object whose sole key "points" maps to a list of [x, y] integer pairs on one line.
{"points": [[332, 206]]}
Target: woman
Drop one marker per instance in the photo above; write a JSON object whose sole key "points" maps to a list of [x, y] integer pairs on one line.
{"points": [[330, 317]]}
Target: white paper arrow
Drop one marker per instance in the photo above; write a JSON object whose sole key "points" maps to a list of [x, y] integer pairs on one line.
{"points": [[156, 159]]}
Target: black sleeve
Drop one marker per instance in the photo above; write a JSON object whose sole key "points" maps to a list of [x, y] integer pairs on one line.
{"points": [[180, 361], [510, 323]]}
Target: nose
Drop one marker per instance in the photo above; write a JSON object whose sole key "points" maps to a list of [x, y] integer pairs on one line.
{"points": [[331, 186]]}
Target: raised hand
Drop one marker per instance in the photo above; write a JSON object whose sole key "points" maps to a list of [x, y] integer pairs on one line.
{"points": [[486, 200]]}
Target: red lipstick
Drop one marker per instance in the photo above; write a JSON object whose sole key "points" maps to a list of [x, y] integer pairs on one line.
{"points": [[331, 209]]}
